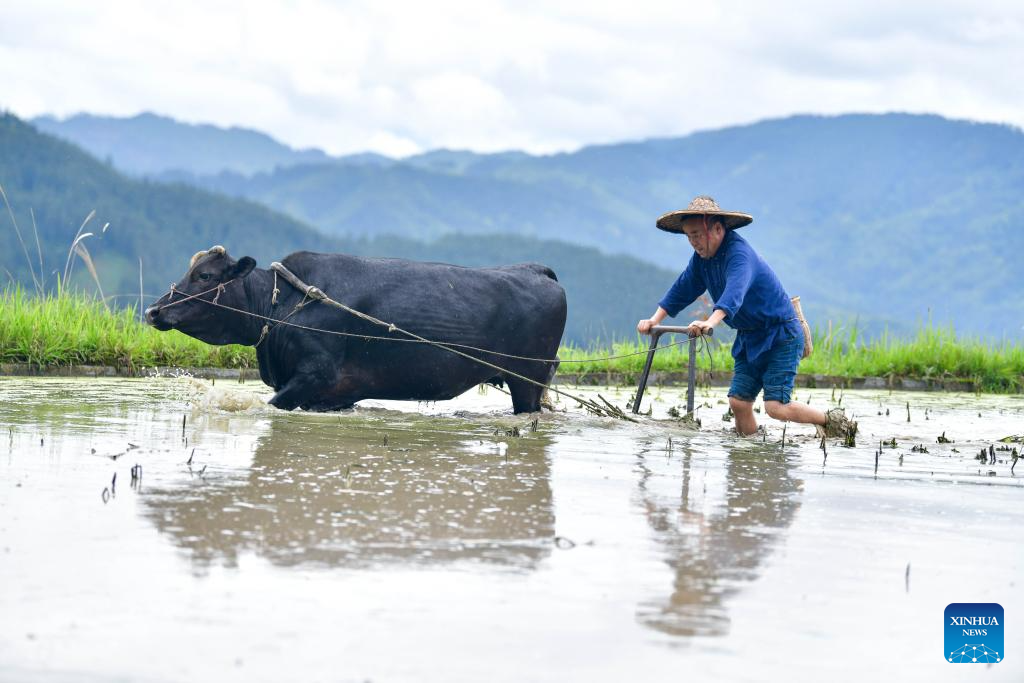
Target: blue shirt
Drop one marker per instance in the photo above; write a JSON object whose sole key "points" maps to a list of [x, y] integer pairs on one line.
{"points": [[745, 288]]}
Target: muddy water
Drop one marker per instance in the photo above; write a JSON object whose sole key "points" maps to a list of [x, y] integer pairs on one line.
{"points": [[455, 542]]}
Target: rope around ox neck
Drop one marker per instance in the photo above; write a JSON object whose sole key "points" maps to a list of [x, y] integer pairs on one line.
{"points": [[284, 321]]}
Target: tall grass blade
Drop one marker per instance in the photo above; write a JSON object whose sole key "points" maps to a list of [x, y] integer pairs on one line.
{"points": [[17, 230], [68, 265], [142, 306], [83, 253], [39, 249]]}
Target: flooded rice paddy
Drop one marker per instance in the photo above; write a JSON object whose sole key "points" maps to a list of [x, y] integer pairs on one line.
{"points": [[456, 542]]}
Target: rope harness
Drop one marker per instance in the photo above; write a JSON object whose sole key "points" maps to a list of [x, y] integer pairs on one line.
{"points": [[174, 290], [311, 295]]}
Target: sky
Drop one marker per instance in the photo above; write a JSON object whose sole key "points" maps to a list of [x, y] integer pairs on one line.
{"points": [[403, 77]]}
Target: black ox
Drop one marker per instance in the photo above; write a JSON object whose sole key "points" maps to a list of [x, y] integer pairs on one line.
{"points": [[518, 310]]}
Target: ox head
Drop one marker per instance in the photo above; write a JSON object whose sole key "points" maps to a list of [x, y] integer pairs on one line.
{"points": [[190, 306]]}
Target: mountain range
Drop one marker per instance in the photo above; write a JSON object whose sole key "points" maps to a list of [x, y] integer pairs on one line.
{"points": [[148, 144], [886, 218]]}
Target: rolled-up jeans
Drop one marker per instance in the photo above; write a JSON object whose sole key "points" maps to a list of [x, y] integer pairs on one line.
{"points": [[774, 371]]}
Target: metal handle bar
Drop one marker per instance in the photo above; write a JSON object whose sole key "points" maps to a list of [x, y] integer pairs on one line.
{"points": [[691, 378]]}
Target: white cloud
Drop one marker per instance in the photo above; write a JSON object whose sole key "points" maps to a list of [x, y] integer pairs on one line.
{"points": [[398, 77]]}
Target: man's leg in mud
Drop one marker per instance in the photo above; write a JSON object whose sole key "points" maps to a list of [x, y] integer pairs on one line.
{"points": [[744, 388], [793, 412], [779, 376], [743, 414]]}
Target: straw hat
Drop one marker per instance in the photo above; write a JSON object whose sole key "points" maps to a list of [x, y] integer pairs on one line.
{"points": [[703, 206]]}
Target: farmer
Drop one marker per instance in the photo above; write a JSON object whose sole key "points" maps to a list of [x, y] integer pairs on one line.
{"points": [[749, 297]]}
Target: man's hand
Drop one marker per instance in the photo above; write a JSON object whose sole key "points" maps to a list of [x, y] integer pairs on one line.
{"points": [[644, 326], [699, 328]]}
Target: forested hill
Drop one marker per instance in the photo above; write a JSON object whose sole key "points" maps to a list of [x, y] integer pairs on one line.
{"points": [[164, 224], [879, 216]]}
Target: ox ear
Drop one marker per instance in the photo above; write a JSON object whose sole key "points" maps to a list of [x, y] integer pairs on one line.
{"points": [[242, 268]]}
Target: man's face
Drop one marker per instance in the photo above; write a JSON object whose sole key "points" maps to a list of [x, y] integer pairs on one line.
{"points": [[705, 241]]}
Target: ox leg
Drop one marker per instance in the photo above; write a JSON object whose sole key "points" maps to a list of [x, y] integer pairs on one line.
{"points": [[298, 391], [525, 396]]}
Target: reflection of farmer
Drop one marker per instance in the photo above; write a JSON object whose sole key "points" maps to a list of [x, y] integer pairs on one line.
{"points": [[714, 551], [749, 297]]}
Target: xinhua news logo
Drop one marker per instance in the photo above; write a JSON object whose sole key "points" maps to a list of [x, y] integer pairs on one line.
{"points": [[974, 633]]}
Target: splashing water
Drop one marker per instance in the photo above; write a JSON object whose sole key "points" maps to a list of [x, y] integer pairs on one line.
{"points": [[230, 399]]}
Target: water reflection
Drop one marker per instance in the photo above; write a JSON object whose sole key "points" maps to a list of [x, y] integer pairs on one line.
{"points": [[360, 491], [715, 531]]}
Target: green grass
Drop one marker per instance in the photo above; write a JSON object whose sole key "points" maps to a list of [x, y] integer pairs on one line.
{"points": [[56, 330], [65, 329], [932, 353]]}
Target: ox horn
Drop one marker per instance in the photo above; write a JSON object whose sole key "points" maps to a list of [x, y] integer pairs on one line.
{"points": [[200, 254]]}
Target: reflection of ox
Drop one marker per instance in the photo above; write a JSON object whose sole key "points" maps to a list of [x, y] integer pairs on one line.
{"points": [[516, 310], [342, 495], [712, 555]]}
